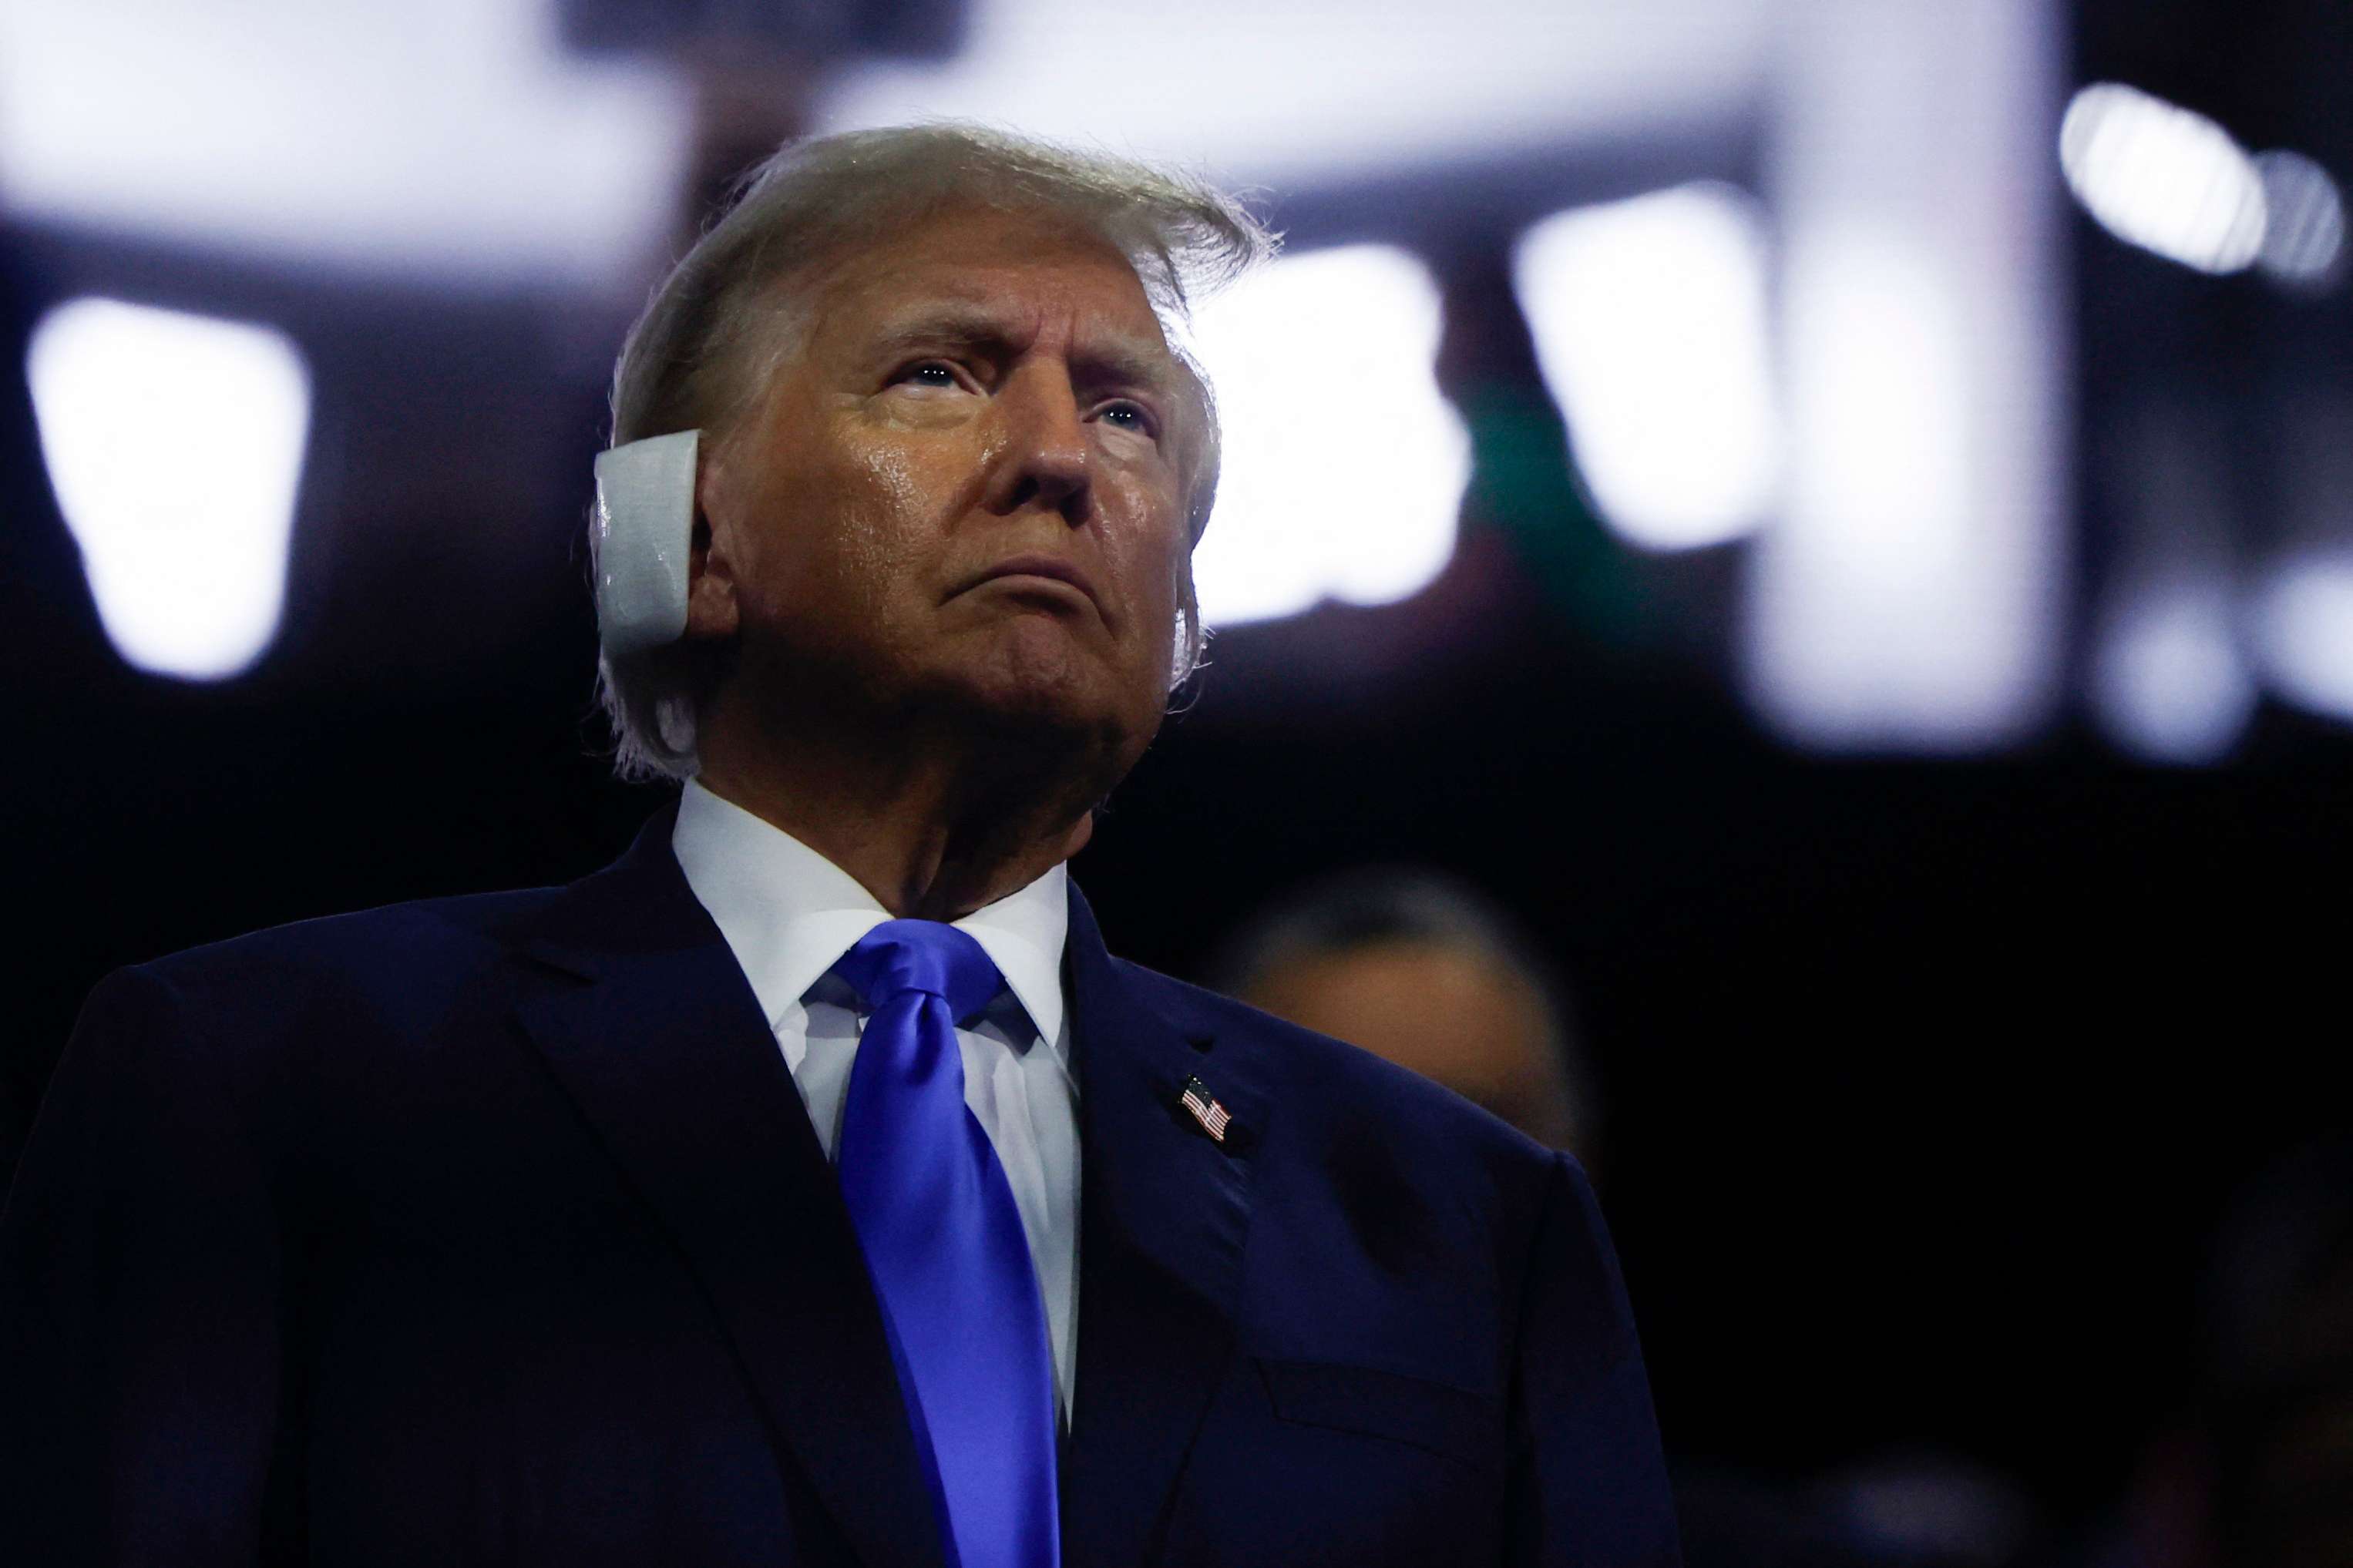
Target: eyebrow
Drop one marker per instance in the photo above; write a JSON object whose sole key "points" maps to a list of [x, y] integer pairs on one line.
{"points": [[1122, 358]]}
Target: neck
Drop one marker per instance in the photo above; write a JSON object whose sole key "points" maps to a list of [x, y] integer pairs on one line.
{"points": [[934, 827]]}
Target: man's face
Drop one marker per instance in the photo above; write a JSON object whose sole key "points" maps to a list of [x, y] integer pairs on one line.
{"points": [[1455, 1015], [965, 492]]}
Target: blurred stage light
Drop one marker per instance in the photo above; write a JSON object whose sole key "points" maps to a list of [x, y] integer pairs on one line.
{"points": [[1870, 618], [2303, 237], [2304, 631], [1648, 318], [447, 137], [2163, 178], [2169, 681], [1343, 466], [175, 444], [1907, 595], [1287, 95], [1885, 386]]}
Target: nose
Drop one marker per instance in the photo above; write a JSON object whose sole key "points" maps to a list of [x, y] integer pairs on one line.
{"points": [[1044, 459]]}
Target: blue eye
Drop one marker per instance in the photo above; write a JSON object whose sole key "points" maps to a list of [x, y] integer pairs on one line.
{"points": [[932, 372], [1129, 416]]}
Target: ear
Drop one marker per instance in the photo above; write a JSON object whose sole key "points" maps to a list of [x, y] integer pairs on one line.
{"points": [[1190, 640], [645, 515]]}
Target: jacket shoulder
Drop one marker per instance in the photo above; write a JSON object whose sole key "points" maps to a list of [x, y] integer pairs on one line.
{"points": [[405, 953]]}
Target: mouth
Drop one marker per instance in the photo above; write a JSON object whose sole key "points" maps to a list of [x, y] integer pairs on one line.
{"points": [[1045, 576]]}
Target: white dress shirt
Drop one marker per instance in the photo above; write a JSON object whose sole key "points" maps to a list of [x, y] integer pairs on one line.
{"points": [[788, 915]]}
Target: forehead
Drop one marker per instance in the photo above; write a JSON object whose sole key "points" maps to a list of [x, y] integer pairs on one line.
{"points": [[1020, 275]]}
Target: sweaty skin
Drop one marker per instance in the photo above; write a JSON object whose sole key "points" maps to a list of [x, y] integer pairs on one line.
{"points": [[983, 392]]}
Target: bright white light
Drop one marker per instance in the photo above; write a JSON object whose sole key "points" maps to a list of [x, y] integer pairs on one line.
{"points": [[1648, 318], [1905, 596], [453, 137], [1884, 384], [2163, 178], [1343, 467], [175, 444], [2304, 631], [2304, 241], [1286, 93], [1868, 612], [2169, 681]]}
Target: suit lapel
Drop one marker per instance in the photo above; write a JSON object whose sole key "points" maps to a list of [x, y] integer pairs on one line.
{"points": [[660, 1040], [1162, 1212]]}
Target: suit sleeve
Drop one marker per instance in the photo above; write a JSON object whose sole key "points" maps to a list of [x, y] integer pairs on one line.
{"points": [[1589, 1484], [138, 1275]]}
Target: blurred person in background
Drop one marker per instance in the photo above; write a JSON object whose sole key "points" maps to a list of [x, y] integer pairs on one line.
{"points": [[1422, 969], [811, 1185]]}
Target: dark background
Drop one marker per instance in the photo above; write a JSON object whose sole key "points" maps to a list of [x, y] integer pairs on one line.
{"points": [[1927, 1082]]}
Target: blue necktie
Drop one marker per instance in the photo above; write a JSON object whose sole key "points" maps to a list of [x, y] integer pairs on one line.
{"points": [[945, 1244]]}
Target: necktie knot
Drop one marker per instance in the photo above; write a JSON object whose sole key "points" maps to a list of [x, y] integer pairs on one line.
{"points": [[938, 960]]}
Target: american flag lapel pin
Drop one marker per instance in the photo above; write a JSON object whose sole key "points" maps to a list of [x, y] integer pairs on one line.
{"points": [[1205, 1109]]}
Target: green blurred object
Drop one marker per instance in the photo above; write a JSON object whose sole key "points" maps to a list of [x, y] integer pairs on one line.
{"points": [[1525, 483]]}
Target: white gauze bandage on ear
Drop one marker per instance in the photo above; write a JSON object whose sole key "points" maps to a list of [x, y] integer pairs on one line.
{"points": [[645, 540]]}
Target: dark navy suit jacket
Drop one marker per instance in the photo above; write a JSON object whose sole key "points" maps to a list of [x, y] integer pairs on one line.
{"points": [[493, 1230]]}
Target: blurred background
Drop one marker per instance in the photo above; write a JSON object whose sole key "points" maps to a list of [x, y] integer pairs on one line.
{"points": [[1827, 525]]}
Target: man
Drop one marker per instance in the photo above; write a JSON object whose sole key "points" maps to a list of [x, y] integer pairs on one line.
{"points": [[811, 1186], [1427, 972]]}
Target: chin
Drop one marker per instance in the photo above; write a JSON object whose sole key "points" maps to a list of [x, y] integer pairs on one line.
{"points": [[1035, 670], [1041, 706], [1073, 718]]}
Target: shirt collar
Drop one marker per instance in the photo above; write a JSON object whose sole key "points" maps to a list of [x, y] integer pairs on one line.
{"points": [[788, 913]]}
